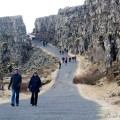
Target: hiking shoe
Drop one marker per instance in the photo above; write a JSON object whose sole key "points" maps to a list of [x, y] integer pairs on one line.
{"points": [[12, 104]]}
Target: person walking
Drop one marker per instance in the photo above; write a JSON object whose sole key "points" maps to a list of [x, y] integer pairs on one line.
{"points": [[63, 59], [15, 82], [60, 51], [69, 59], [59, 65], [72, 59], [67, 51], [75, 58], [34, 86], [44, 43], [66, 61], [66, 58]]}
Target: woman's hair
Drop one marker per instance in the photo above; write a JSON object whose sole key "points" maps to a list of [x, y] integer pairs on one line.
{"points": [[35, 73]]}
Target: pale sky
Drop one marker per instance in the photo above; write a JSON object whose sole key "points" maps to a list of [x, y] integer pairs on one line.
{"points": [[32, 9]]}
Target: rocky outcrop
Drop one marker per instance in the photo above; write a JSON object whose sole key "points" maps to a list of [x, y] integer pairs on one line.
{"points": [[14, 43], [92, 29], [38, 60], [45, 28]]}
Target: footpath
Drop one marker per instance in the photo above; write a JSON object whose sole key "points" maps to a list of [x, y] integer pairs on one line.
{"points": [[61, 102]]}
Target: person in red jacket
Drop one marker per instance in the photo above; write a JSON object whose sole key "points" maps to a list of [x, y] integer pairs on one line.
{"points": [[72, 59]]}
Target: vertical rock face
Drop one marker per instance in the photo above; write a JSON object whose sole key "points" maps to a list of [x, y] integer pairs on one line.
{"points": [[92, 29], [45, 28], [14, 43]]}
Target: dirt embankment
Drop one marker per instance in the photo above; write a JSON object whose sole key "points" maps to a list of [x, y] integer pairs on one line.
{"points": [[106, 93], [5, 95]]}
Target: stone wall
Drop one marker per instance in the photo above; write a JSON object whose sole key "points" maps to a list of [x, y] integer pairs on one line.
{"points": [[14, 43], [92, 29]]}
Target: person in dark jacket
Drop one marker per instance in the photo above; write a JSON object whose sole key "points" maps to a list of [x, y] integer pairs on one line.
{"points": [[63, 59], [69, 59], [59, 65], [34, 86], [66, 60], [60, 51], [67, 51], [15, 82]]}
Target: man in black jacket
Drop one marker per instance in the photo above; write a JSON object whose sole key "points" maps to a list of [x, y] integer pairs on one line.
{"points": [[15, 82]]}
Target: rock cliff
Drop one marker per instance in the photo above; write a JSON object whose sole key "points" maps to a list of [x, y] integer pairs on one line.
{"points": [[92, 29], [14, 43], [16, 49], [45, 28]]}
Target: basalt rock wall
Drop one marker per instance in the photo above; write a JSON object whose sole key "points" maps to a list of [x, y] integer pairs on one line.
{"points": [[14, 43], [92, 29], [45, 28]]}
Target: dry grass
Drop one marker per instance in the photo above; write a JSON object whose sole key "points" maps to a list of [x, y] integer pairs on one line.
{"points": [[89, 78], [24, 87], [45, 74], [114, 72]]}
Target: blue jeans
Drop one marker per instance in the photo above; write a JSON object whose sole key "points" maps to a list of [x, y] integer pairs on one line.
{"points": [[15, 95]]}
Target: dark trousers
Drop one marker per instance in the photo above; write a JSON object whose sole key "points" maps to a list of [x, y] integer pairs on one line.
{"points": [[59, 66], [34, 98]]}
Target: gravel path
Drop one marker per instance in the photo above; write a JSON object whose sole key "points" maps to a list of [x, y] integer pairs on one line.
{"points": [[61, 102]]}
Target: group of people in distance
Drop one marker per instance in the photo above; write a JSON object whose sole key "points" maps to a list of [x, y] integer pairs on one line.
{"points": [[64, 51], [68, 59]]}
